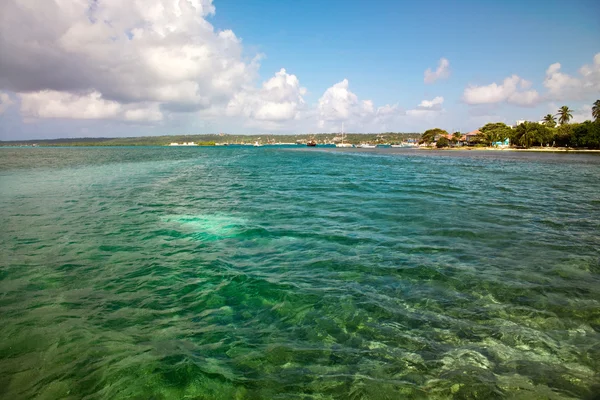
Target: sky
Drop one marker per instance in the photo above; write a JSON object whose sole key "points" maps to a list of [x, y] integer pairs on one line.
{"points": [[108, 68]]}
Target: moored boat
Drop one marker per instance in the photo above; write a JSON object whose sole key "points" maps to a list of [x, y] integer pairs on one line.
{"points": [[343, 137]]}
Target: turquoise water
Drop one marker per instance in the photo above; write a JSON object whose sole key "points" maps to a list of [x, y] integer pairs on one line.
{"points": [[296, 273]]}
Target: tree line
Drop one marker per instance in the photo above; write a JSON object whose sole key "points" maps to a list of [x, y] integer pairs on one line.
{"points": [[555, 130]]}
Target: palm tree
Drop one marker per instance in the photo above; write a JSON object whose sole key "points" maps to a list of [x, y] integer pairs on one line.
{"points": [[456, 138], [549, 120], [564, 114], [596, 110], [527, 133]]}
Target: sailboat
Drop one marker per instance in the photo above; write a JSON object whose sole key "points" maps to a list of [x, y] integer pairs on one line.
{"points": [[343, 144]]}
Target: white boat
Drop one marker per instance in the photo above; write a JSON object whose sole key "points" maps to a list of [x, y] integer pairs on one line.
{"points": [[367, 146], [404, 145], [256, 144], [343, 144]]}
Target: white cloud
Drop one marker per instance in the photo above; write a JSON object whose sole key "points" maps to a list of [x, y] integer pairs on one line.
{"points": [[559, 87], [55, 104], [435, 104], [563, 87], [511, 91], [427, 108], [389, 110], [151, 113], [280, 99], [155, 53], [583, 114], [338, 104], [5, 102], [442, 71]]}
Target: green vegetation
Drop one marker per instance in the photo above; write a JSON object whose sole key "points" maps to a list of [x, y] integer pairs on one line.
{"points": [[429, 136], [549, 120], [494, 132], [528, 134], [577, 135], [596, 110], [456, 137], [218, 139], [442, 142], [201, 140], [564, 115], [585, 135]]}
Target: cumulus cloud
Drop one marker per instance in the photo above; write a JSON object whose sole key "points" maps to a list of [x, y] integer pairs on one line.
{"points": [[559, 87], [55, 104], [511, 90], [279, 99], [339, 104], [563, 86], [442, 71], [434, 105], [388, 110], [5, 102], [131, 56], [583, 114], [427, 108]]}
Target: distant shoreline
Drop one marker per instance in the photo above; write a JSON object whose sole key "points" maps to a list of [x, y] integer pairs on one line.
{"points": [[538, 150], [449, 149]]}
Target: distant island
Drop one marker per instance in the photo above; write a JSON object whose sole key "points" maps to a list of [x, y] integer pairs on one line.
{"points": [[222, 139]]}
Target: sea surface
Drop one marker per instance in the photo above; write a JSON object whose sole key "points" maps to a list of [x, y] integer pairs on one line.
{"points": [[298, 273]]}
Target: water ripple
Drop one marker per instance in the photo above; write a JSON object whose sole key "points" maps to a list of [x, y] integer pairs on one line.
{"points": [[291, 273]]}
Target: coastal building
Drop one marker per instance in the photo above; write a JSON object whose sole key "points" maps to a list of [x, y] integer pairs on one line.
{"points": [[522, 121], [472, 137], [504, 143], [182, 144], [453, 141]]}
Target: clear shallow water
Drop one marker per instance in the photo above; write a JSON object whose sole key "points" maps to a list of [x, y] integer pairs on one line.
{"points": [[265, 273]]}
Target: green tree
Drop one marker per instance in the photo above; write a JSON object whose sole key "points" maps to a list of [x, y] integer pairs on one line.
{"points": [[442, 142], [544, 135], [596, 111], [564, 115], [549, 120], [527, 133], [586, 134], [494, 132], [430, 135], [563, 135], [456, 137]]}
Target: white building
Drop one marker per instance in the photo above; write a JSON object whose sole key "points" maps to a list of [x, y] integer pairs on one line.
{"points": [[520, 121], [182, 144]]}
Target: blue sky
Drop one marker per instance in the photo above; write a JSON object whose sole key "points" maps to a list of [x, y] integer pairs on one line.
{"points": [[157, 79]]}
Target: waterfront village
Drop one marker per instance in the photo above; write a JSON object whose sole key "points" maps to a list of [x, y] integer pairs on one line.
{"points": [[554, 131]]}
